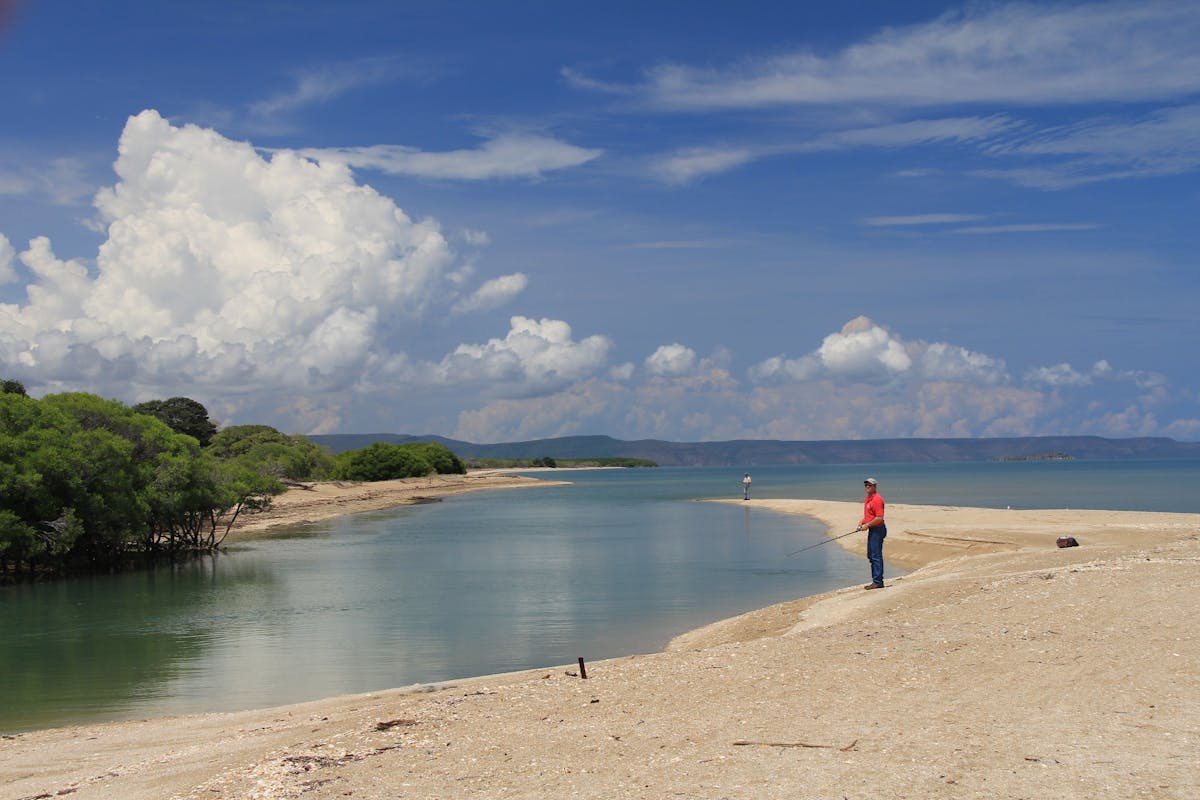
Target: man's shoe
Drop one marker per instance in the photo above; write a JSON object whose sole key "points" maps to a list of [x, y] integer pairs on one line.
{"points": [[873, 586]]}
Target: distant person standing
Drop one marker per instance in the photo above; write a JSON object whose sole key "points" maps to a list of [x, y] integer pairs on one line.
{"points": [[873, 524], [746, 487]]}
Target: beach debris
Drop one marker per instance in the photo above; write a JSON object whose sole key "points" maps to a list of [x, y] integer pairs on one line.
{"points": [[393, 723], [302, 763], [307, 762], [846, 749], [1066, 541]]}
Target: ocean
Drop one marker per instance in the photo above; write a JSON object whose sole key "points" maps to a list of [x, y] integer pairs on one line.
{"points": [[616, 563]]}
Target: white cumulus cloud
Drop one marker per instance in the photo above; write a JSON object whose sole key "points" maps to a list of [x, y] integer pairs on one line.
{"points": [[866, 352], [672, 360], [947, 362], [782, 369], [622, 372], [1058, 375], [7, 254], [493, 293], [534, 356], [228, 269], [863, 351]]}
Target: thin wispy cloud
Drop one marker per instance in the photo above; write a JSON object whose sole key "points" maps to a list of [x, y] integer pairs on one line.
{"points": [[1055, 178], [1018, 54], [580, 81], [1045, 227], [324, 83], [915, 133], [690, 164], [684, 166], [13, 184], [922, 219], [506, 156], [64, 181], [684, 244], [1005, 56], [1163, 142], [1171, 131]]}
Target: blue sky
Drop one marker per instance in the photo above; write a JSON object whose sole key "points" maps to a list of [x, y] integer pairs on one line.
{"points": [[688, 221]]}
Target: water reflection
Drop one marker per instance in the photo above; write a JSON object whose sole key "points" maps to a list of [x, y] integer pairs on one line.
{"points": [[95, 647]]}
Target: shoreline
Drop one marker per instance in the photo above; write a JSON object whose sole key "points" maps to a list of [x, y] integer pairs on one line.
{"points": [[324, 500], [932, 534], [1000, 666]]}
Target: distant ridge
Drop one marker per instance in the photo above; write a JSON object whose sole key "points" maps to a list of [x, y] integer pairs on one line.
{"points": [[766, 452]]}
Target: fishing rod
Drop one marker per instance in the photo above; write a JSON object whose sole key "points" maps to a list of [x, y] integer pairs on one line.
{"points": [[818, 544]]}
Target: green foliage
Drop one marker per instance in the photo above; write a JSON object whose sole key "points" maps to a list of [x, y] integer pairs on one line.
{"points": [[183, 415], [9, 386], [383, 461], [262, 448], [18, 540], [87, 484], [444, 462]]}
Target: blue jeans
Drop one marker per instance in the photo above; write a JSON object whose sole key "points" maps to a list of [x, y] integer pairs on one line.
{"points": [[875, 537]]}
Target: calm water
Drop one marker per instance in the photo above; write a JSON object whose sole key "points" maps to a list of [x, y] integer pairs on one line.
{"points": [[617, 563]]}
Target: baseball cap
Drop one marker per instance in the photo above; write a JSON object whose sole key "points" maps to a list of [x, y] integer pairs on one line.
{"points": [[871, 481]]}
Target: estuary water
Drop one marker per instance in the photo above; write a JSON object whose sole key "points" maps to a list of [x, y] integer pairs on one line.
{"points": [[616, 563]]}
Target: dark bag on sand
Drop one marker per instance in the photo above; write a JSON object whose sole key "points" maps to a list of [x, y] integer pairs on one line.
{"points": [[1066, 541]]}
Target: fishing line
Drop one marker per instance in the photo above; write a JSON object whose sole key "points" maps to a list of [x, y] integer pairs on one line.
{"points": [[818, 544]]}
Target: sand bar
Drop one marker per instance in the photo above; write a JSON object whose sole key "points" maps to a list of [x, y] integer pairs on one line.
{"points": [[315, 502], [1002, 668]]}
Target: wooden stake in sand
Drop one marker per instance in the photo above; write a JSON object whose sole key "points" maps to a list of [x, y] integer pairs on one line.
{"points": [[582, 669]]}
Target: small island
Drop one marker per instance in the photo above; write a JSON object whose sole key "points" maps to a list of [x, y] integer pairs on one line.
{"points": [[1038, 457], [546, 462]]}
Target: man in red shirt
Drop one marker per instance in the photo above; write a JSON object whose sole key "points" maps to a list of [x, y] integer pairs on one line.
{"points": [[873, 524]]}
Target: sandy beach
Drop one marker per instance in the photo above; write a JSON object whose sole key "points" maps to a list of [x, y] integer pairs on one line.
{"points": [[319, 501], [999, 667]]}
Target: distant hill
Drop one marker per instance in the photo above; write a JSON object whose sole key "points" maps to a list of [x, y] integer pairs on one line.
{"points": [[762, 452]]}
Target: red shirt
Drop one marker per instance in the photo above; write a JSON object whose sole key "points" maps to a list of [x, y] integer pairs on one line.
{"points": [[872, 507]]}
